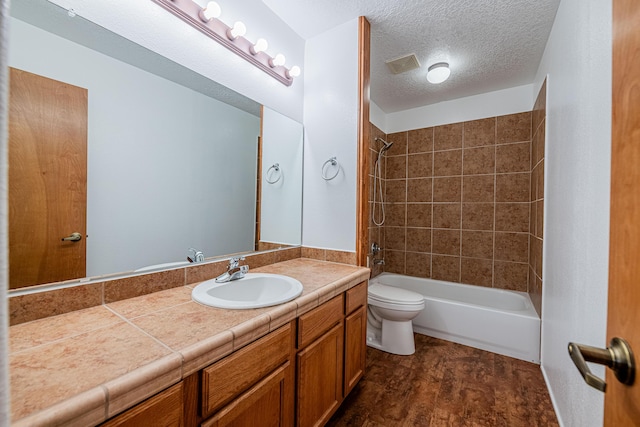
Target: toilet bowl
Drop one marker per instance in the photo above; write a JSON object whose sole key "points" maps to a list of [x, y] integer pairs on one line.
{"points": [[390, 312]]}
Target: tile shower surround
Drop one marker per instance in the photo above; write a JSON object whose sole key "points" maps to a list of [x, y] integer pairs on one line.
{"points": [[457, 202], [536, 197]]}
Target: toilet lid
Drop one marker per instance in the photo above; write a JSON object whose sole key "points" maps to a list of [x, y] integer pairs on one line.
{"points": [[392, 294]]}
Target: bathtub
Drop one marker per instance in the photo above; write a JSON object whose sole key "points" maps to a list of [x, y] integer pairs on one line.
{"points": [[495, 320]]}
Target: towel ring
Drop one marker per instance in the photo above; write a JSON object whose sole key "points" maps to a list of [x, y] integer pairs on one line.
{"points": [[276, 168], [334, 162]]}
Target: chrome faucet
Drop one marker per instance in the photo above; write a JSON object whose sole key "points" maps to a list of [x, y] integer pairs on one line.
{"points": [[234, 271], [195, 255]]}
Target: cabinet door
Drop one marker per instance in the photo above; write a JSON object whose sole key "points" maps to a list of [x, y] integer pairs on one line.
{"points": [[265, 404], [320, 378], [162, 410], [355, 345]]}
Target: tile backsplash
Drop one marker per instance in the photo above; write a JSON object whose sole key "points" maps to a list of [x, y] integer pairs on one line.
{"points": [[457, 202]]}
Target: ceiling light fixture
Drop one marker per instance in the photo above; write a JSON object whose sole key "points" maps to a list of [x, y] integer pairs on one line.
{"points": [[206, 21], [438, 73]]}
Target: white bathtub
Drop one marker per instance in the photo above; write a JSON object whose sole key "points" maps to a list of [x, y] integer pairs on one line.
{"points": [[495, 320]]}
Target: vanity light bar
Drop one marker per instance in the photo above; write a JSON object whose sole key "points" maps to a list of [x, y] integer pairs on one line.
{"points": [[191, 13]]}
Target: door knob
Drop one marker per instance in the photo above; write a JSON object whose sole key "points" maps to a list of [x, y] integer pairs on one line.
{"points": [[618, 356], [74, 237]]}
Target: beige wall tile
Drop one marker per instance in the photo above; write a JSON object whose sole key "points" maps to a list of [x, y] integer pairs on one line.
{"points": [[481, 160], [418, 264], [447, 137], [420, 140], [419, 239], [445, 268], [394, 261], [514, 128], [395, 214], [447, 215], [396, 191], [446, 242], [394, 238], [399, 140], [447, 189], [480, 132], [477, 216], [419, 190], [396, 167], [26, 308], [512, 247], [343, 257], [420, 165], [477, 244], [512, 187], [419, 214], [510, 275], [512, 217], [478, 188], [476, 271], [447, 163], [513, 157]]}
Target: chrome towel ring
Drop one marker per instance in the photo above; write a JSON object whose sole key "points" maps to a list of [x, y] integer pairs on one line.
{"points": [[334, 162], [276, 169]]}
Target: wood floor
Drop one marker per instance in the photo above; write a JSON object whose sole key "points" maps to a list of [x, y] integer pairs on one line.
{"points": [[447, 384]]}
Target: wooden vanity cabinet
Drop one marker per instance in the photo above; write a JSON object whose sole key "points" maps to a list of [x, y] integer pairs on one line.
{"points": [[319, 363], [253, 386], [297, 375], [355, 336]]}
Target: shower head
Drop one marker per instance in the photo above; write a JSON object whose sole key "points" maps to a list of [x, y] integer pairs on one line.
{"points": [[386, 145]]}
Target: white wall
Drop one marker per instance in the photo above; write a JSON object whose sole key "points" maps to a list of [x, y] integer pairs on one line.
{"points": [[377, 117], [4, 241], [281, 202], [168, 168], [574, 307], [149, 25], [330, 118], [491, 104]]}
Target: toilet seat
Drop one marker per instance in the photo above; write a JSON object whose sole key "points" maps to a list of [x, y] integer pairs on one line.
{"points": [[392, 295]]}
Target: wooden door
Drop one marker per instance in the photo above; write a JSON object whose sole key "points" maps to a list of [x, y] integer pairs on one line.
{"points": [[355, 348], [47, 179], [622, 403], [320, 378]]}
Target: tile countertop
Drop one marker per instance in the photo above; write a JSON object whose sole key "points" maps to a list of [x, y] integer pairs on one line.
{"points": [[89, 365]]}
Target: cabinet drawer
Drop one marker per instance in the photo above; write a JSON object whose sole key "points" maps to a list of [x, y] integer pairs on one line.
{"points": [[224, 380], [264, 404], [319, 320], [356, 297], [162, 410]]}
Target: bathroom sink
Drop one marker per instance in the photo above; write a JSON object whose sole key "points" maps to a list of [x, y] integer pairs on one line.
{"points": [[254, 290]]}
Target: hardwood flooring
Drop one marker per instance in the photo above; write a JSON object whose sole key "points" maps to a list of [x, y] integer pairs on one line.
{"points": [[447, 384]]}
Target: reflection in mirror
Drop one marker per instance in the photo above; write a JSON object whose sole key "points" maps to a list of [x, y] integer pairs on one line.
{"points": [[168, 166]]}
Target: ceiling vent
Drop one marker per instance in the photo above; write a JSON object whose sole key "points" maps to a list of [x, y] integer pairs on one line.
{"points": [[401, 65]]}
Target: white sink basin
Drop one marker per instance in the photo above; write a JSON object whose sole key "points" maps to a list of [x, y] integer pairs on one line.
{"points": [[254, 290]]}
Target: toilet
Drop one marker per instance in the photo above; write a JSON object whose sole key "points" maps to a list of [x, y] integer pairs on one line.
{"points": [[390, 312]]}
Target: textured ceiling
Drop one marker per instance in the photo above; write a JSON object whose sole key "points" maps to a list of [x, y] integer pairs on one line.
{"points": [[489, 44]]}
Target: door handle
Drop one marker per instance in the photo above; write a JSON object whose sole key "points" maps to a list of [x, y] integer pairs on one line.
{"points": [[74, 237], [618, 356]]}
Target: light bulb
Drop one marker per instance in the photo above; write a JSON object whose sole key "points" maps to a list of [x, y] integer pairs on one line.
{"points": [[211, 11], [278, 60], [238, 30], [438, 73], [294, 71], [260, 46]]}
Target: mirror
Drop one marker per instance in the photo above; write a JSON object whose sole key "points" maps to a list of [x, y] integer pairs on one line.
{"points": [[170, 155]]}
